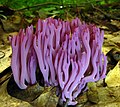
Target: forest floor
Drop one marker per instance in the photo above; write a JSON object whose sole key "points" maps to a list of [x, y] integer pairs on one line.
{"points": [[11, 26]]}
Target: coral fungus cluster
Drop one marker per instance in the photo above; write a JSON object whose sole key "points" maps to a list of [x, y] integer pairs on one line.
{"points": [[68, 55]]}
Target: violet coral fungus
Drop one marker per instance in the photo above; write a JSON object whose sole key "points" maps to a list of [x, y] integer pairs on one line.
{"points": [[68, 54], [24, 60]]}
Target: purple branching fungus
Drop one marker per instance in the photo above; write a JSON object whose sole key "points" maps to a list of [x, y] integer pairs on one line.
{"points": [[69, 56]]}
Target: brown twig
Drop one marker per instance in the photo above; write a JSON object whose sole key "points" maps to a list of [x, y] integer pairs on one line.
{"points": [[104, 13], [107, 15]]}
